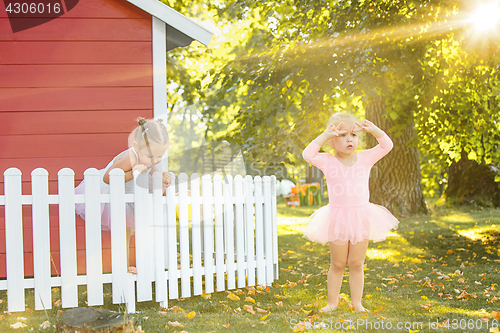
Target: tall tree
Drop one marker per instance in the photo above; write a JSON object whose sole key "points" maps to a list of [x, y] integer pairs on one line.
{"points": [[314, 52]]}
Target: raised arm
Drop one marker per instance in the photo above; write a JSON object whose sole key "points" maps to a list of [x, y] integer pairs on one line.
{"points": [[384, 142], [384, 146], [311, 154]]}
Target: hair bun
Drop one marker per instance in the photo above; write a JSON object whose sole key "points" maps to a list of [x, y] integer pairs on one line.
{"points": [[141, 121]]}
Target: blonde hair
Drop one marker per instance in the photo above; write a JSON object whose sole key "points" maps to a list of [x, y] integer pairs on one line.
{"points": [[339, 117], [150, 130]]}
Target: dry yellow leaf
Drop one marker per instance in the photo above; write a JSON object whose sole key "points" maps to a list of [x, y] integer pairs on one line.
{"points": [[249, 299], [191, 315], [233, 297], [178, 309]]}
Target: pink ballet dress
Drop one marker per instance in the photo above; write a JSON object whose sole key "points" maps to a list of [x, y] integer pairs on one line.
{"points": [[349, 216], [105, 214]]}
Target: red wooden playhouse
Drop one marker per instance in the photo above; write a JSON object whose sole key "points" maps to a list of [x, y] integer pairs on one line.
{"points": [[70, 90]]}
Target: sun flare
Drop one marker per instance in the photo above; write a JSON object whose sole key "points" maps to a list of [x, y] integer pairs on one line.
{"points": [[486, 16]]}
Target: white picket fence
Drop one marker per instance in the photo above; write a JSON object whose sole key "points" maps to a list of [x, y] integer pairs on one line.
{"points": [[232, 234]]}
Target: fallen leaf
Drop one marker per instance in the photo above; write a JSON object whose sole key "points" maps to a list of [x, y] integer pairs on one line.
{"points": [[249, 299], [226, 326], [139, 329], [191, 315], [259, 310], [18, 325], [206, 296], [252, 291], [495, 315], [280, 303], [178, 309], [265, 317], [45, 324], [249, 308], [175, 324], [58, 303], [233, 297]]}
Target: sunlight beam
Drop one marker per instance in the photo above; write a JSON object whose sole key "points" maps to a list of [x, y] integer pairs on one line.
{"points": [[486, 17]]}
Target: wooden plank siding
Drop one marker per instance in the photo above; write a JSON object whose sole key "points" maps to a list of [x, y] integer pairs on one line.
{"points": [[70, 91]]}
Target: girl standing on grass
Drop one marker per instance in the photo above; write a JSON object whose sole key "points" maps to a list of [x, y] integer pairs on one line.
{"points": [[349, 221], [148, 143]]}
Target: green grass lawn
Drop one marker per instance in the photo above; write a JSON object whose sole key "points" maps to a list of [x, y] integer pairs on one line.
{"points": [[435, 271]]}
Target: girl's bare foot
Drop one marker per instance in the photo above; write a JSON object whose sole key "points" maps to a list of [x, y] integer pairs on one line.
{"points": [[132, 270], [359, 308], [329, 307]]}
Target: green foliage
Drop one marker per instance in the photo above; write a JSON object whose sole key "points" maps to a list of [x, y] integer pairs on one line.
{"points": [[275, 71]]}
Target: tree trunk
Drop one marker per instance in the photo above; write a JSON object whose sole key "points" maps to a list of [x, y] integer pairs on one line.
{"points": [[395, 179], [470, 182]]}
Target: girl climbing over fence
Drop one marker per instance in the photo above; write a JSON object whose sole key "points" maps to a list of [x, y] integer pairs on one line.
{"points": [[148, 143]]}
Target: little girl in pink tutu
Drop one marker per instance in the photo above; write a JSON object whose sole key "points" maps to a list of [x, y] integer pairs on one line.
{"points": [[349, 221]]}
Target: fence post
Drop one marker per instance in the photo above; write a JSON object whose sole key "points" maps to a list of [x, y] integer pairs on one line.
{"points": [[93, 247], [274, 215], [173, 276], [259, 232], [219, 233], [141, 193], [184, 235], [41, 238], [208, 232], [159, 241], [229, 230], [196, 234], [14, 240], [249, 225], [268, 231], [239, 230], [67, 237], [118, 237]]}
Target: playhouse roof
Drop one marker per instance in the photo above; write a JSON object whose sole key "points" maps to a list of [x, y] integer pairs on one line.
{"points": [[181, 31]]}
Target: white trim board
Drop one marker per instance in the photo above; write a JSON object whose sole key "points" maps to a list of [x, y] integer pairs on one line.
{"points": [[175, 20], [160, 77]]}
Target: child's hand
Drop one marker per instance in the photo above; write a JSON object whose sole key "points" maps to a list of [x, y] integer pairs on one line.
{"points": [[167, 179], [333, 130], [366, 126], [140, 167]]}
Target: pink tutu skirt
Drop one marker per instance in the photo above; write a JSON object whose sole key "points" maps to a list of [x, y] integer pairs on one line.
{"points": [[354, 224]]}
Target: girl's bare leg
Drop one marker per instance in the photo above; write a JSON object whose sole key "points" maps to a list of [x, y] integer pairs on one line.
{"points": [[355, 260], [338, 261], [130, 269]]}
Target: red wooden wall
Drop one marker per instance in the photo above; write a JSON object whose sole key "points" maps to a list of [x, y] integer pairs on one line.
{"points": [[70, 90]]}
